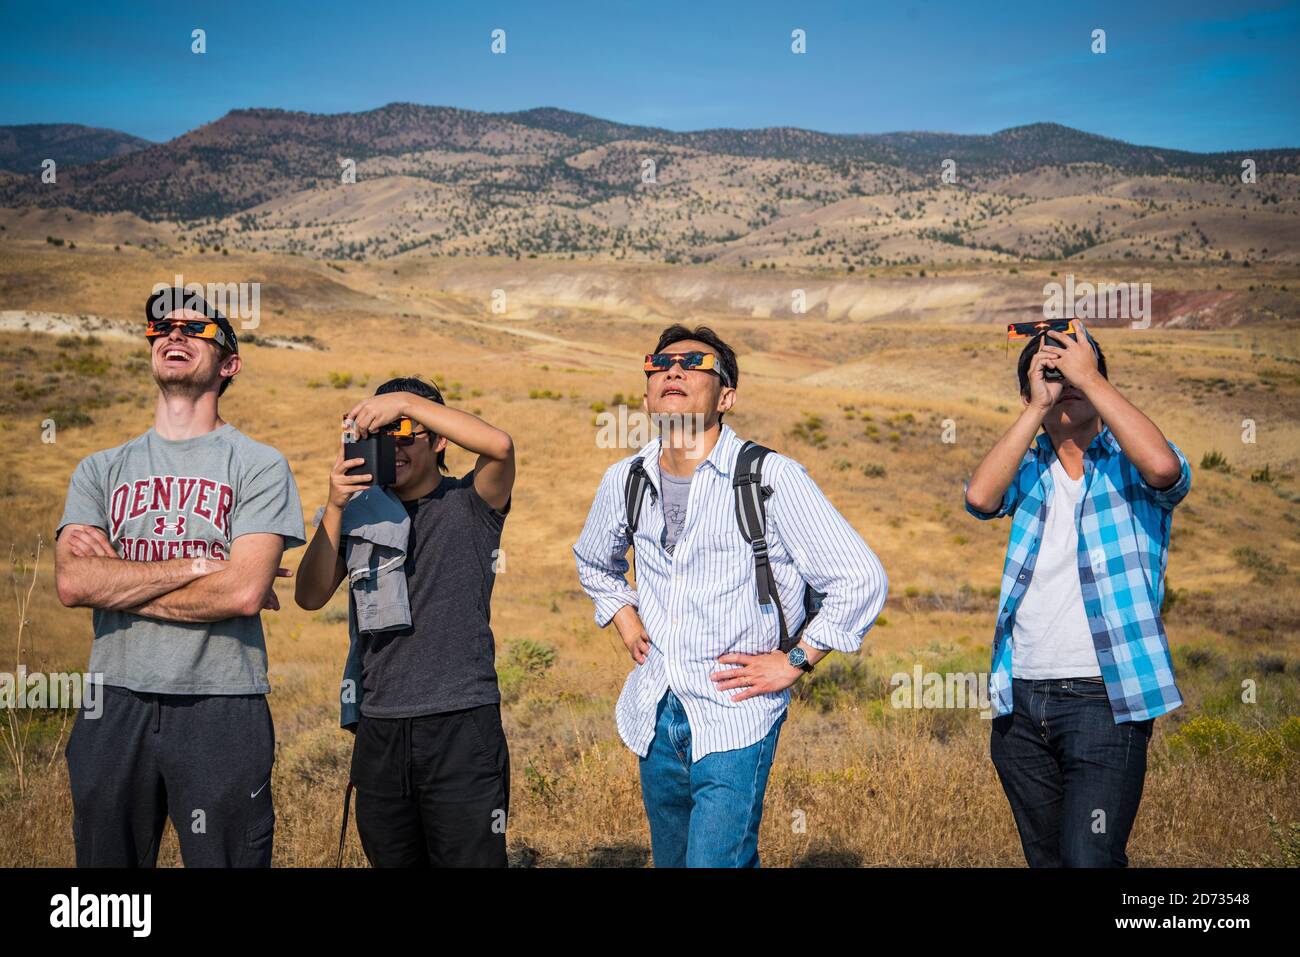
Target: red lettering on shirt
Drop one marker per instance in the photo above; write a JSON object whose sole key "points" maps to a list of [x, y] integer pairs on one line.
{"points": [[138, 491], [201, 507], [225, 501], [117, 510], [187, 486]]}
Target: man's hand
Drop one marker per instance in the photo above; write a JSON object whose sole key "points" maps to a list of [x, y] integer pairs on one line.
{"points": [[85, 541], [1073, 358], [635, 640], [370, 415], [342, 485], [1043, 393], [758, 674], [272, 601]]}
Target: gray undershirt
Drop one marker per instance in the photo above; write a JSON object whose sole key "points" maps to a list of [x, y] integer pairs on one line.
{"points": [[676, 491]]}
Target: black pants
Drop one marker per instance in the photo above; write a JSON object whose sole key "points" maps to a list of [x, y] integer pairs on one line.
{"points": [[205, 760], [1072, 775], [433, 791]]}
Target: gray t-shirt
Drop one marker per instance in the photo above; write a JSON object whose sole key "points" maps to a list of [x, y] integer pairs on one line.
{"points": [[158, 499], [676, 491], [446, 660]]}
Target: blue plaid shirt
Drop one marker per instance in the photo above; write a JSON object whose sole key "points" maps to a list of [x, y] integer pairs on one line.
{"points": [[1123, 543]]}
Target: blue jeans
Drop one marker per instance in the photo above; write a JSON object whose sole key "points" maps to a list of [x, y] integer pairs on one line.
{"points": [[706, 813], [1072, 775]]}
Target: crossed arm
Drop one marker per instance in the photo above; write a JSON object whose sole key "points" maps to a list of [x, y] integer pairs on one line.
{"points": [[89, 574]]}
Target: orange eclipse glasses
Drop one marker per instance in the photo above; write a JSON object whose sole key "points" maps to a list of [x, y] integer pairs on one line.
{"points": [[191, 328], [693, 361]]}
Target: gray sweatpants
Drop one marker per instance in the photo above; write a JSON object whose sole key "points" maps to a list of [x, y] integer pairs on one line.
{"points": [[205, 760]]}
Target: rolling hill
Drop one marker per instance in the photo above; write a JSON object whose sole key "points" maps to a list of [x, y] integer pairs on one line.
{"points": [[549, 183]]}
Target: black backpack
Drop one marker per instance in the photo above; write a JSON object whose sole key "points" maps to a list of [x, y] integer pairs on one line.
{"points": [[751, 515]]}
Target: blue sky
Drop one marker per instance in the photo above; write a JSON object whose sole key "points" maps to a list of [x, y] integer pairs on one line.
{"points": [[1191, 74]]}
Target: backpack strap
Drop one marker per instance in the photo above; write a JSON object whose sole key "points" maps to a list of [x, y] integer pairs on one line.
{"points": [[751, 515], [634, 493]]}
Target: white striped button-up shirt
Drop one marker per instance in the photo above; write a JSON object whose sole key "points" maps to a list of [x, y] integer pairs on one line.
{"points": [[701, 601]]}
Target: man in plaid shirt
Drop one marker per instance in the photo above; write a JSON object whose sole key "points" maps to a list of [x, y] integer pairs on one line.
{"points": [[1081, 664]]}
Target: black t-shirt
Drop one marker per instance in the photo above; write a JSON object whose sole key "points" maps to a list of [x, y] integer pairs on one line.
{"points": [[446, 660]]}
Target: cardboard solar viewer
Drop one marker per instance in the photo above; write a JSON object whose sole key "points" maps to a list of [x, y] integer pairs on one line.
{"points": [[1028, 330]]}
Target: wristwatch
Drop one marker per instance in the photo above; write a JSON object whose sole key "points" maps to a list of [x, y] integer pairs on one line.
{"points": [[798, 658]]}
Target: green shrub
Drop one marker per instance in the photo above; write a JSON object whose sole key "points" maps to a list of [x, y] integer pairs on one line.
{"points": [[535, 657], [1285, 839], [811, 431], [84, 365], [839, 679], [1196, 659], [1266, 569], [526, 661], [1215, 461], [70, 417], [1265, 752]]}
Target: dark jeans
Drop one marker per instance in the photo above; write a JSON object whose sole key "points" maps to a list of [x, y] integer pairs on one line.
{"points": [[1072, 775], [433, 791]]}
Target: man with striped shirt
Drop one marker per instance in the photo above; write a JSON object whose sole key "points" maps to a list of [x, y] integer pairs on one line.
{"points": [[705, 701]]}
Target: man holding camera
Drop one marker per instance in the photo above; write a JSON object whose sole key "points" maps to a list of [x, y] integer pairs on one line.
{"points": [[1081, 664], [704, 704], [430, 763], [174, 539]]}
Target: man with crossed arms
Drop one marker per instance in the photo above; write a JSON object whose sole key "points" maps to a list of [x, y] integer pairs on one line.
{"points": [[174, 539]]}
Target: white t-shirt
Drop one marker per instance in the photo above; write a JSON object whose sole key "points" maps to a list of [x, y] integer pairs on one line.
{"points": [[1050, 635]]}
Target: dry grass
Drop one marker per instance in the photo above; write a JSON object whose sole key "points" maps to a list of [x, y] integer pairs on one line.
{"points": [[868, 784]]}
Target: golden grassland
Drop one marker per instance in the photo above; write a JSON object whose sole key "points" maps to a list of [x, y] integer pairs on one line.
{"points": [[863, 404]]}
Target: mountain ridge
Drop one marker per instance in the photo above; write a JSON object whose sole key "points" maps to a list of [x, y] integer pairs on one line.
{"points": [[553, 182], [25, 146]]}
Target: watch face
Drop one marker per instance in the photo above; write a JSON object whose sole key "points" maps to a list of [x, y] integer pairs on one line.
{"points": [[798, 657]]}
